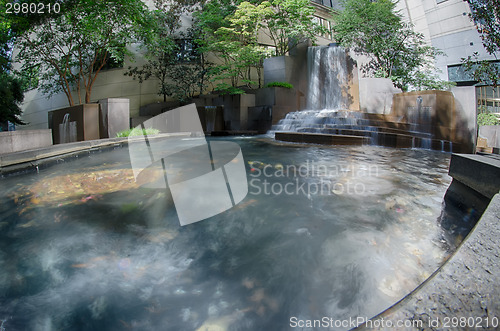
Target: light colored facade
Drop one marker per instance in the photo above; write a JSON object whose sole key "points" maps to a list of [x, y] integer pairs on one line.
{"points": [[445, 25]]}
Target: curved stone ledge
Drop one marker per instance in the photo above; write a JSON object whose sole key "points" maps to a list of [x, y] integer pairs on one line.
{"points": [[31, 158], [467, 286]]}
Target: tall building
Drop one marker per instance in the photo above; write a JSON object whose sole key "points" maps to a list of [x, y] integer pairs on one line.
{"points": [[447, 26]]}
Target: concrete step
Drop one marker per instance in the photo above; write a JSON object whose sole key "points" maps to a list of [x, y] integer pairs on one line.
{"points": [[360, 137], [338, 129], [323, 139]]}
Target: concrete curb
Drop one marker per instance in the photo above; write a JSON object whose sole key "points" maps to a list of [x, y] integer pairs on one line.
{"points": [[29, 158]]}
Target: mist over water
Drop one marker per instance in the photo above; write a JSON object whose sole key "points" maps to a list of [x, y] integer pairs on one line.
{"points": [[82, 248]]}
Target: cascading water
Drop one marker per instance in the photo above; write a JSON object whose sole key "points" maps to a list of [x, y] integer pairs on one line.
{"points": [[67, 130], [328, 101], [328, 79], [328, 75], [64, 131]]}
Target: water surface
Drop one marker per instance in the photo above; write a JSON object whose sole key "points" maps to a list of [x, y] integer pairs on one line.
{"points": [[333, 232]]}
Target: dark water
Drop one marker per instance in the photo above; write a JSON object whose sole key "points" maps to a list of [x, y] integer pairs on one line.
{"points": [[323, 232]]}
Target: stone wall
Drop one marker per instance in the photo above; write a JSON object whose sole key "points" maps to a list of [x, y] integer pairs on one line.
{"points": [[375, 95], [446, 115], [15, 141]]}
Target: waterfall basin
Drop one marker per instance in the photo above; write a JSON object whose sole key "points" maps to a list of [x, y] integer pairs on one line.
{"points": [[339, 232]]}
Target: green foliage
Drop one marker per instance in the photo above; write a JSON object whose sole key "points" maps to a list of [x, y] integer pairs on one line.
{"points": [[179, 76], [396, 52], [185, 81], [235, 43], [225, 88], [71, 49], [229, 29], [487, 119], [11, 96], [482, 71], [137, 132], [486, 15], [280, 84], [290, 22]]}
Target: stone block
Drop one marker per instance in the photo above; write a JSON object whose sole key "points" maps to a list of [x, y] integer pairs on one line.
{"points": [[114, 116], [15, 141]]}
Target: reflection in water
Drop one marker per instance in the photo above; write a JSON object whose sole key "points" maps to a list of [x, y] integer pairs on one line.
{"points": [[84, 247]]}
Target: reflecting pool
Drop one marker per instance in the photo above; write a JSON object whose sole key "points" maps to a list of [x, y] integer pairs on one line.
{"points": [[333, 232]]}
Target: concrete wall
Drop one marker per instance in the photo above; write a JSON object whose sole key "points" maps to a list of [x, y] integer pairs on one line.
{"points": [[465, 108], [375, 95], [446, 115], [15, 141]]}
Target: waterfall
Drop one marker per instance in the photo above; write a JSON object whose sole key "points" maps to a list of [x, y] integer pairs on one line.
{"points": [[328, 77], [210, 117], [328, 80], [327, 109], [67, 130]]}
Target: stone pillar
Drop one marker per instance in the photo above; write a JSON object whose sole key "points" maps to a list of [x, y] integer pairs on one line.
{"points": [[114, 116]]}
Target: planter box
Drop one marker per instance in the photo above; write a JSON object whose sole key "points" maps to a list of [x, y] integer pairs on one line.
{"points": [[433, 112]]}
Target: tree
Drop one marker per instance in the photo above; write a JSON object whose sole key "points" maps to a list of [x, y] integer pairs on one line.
{"points": [[11, 95], [179, 71], [213, 15], [230, 30], [72, 48], [237, 45], [11, 87], [373, 28], [289, 23], [486, 15]]}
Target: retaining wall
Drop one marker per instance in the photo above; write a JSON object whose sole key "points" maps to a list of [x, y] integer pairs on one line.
{"points": [[15, 141]]}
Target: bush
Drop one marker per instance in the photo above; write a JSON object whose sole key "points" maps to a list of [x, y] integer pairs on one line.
{"points": [[224, 88], [488, 119], [137, 132], [280, 84]]}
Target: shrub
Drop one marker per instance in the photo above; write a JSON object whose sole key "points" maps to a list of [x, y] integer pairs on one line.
{"points": [[280, 84], [137, 132], [488, 119], [224, 88]]}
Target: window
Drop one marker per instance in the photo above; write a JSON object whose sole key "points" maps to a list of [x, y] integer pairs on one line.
{"points": [[326, 25], [458, 74], [186, 50]]}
